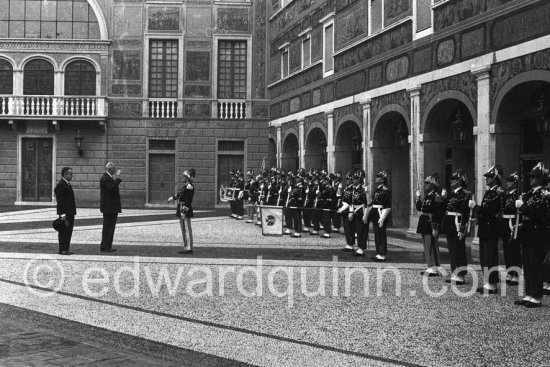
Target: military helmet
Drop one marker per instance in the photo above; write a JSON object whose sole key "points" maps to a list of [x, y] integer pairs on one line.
{"points": [[433, 180], [385, 175], [494, 172], [538, 171], [460, 176]]}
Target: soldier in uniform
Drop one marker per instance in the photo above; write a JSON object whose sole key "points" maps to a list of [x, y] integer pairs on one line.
{"points": [[546, 265], [337, 191], [232, 201], [262, 192], [309, 200], [487, 215], [251, 194], [455, 224], [379, 209], [429, 223], [509, 220], [273, 190], [185, 209], [354, 201], [532, 235], [285, 197], [295, 202], [239, 194], [324, 204]]}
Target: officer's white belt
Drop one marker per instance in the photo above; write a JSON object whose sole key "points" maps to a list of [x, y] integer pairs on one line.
{"points": [[508, 216], [454, 214]]}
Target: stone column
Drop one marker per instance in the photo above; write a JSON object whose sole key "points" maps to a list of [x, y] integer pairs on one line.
{"points": [[330, 140], [485, 141], [279, 146], [18, 82], [416, 154], [301, 143], [367, 152]]}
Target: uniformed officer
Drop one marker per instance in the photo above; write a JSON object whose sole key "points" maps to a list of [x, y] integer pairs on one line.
{"points": [[532, 235], [380, 208], [309, 200], [273, 189], [509, 221], [324, 204], [295, 202], [337, 191], [251, 194], [429, 223], [455, 225], [343, 210], [239, 194], [232, 202], [487, 215], [285, 197]]}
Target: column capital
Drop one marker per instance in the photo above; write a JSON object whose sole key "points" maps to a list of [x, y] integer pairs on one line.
{"points": [[414, 91], [366, 103], [482, 72], [329, 114], [301, 120], [279, 128]]}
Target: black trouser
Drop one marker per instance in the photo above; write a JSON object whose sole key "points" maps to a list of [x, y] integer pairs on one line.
{"points": [[296, 215], [512, 255], [65, 234], [321, 217], [349, 229], [336, 218], [308, 214], [488, 259], [361, 228], [233, 206], [457, 252], [533, 247], [287, 213], [240, 207], [109, 224], [380, 235]]}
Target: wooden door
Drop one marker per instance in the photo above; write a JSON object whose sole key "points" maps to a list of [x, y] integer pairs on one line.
{"points": [[36, 168], [162, 177]]}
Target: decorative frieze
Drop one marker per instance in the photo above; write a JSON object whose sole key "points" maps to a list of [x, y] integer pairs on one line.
{"points": [[504, 71], [354, 109], [456, 11], [351, 84], [465, 83], [53, 46], [304, 78], [400, 98], [350, 25], [397, 69], [473, 43], [396, 10], [233, 20], [163, 19]]}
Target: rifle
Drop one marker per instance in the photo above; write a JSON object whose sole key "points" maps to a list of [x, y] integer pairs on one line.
{"points": [[516, 224], [470, 219], [289, 190], [279, 196], [317, 192]]}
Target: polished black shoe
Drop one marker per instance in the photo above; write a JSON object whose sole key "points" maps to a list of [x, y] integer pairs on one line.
{"points": [[521, 302], [108, 250], [345, 249], [186, 252], [533, 304], [356, 254], [511, 283], [486, 290], [66, 253], [379, 260], [429, 274]]}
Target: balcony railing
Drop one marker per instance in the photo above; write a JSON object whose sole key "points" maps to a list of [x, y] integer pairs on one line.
{"points": [[232, 109], [163, 108], [53, 106]]}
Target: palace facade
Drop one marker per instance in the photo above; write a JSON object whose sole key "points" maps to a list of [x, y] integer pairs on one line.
{"points": [[412, 86], [154, 86]]}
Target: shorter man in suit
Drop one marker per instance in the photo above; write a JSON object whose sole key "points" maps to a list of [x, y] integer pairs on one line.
{"points": [[109, 205], [66, 208]]}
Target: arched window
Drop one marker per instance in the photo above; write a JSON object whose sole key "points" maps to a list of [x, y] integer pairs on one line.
{"points": [[80, 79], [6, 77], [38, 78]]}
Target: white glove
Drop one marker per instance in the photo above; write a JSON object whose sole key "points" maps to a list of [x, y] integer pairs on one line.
{"points": [[365, 219], [461, 236], [381, 222], [519, 203], [444, 193], [240, 195], [471, 204], [418, 194], [435, 232], [170, 199]]}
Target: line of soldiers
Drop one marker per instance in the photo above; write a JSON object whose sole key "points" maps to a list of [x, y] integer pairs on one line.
{"points": [[316, 198], [521, 221]]}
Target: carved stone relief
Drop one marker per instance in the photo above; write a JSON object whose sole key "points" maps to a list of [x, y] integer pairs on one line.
{"points": [[465, 82], [400, 98]]}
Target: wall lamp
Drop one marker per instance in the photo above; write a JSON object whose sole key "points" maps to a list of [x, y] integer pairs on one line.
{"points": [[78, 141]]}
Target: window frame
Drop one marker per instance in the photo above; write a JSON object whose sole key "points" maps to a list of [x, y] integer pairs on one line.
{"points": [[327, 21], [233, 75], [215, 56], [164, 40]]}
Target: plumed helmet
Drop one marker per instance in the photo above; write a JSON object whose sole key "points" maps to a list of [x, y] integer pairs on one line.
{"points": [[513, 177], [460, 176], [433, 180], [338, 175], [494, 172], [250, 172], [538, 171], [385, 175], [189, 173]]}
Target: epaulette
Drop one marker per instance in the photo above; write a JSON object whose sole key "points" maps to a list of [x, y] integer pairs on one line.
{"points": [[500, 190], [385, 188]]}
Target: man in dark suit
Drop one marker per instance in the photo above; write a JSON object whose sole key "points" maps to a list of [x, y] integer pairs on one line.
{"points": [[109, 205], [66, 208]]}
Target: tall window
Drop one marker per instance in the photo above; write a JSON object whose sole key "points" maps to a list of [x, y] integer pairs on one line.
{"points": [[163, 69], [80, 78], [232, 69], [38, 78], [329, 49], [306, 51], [284, 62], [6, 77]]}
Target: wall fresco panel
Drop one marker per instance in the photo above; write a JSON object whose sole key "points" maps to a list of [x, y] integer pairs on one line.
{"points": [[351, 25], [396, 10]]}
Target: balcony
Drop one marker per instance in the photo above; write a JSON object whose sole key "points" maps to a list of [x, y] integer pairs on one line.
{"points": [[163, 108], [232, 109], [53, 107]]}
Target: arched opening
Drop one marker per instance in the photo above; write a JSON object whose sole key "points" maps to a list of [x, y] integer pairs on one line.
{"points": [[522, 124], [445, 150], [316, 150], [6, 77], [348, 151], [271, 153], [38, 78], [391, 152], [290, 159], [80, 79]]}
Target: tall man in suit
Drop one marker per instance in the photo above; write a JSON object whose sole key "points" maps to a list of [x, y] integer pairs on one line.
{"points": [[109, 205], [66, 208]]}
